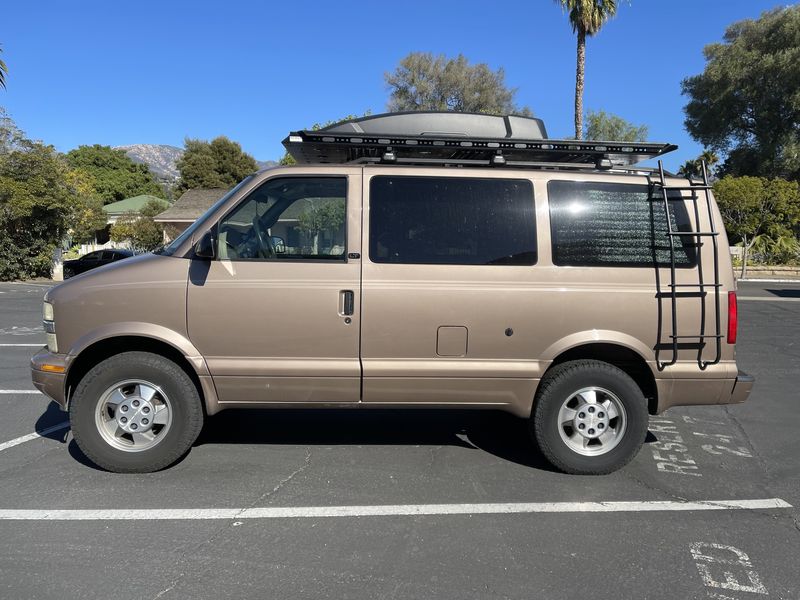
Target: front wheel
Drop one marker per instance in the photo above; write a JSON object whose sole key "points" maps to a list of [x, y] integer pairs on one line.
{"points": [[590, 417], [135, 412]]}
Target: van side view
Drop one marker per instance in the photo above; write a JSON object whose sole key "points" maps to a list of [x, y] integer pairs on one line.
{"points": [[413, 260]]}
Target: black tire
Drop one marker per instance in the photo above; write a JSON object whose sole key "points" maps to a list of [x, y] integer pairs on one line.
{"points": [[68, 273], [563, 381], [185, 404]]}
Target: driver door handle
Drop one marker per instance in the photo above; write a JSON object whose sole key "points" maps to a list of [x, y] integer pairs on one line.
{"points": [[346, 302]]}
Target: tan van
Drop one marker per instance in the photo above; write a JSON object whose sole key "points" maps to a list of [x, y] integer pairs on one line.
{"points": [[412, 260]]}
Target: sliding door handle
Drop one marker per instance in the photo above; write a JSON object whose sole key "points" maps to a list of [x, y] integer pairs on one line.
{"points": [[347, 301]]}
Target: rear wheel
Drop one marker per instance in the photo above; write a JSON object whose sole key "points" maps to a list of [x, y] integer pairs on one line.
{"points": [[590, 417], [135, 412]]}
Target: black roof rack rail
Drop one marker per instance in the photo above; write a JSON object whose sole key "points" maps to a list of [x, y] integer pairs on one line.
{"points": [[393, 139]]}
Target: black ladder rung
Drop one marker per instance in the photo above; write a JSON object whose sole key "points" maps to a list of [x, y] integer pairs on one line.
{"points": [[699, 294], [711, 285], [679, 188], [696, 337], [680, 346], [695, 233]]}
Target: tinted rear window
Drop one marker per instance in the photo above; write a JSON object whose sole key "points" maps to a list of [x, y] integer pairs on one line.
{"points": [[612, 224], [452, 221]]}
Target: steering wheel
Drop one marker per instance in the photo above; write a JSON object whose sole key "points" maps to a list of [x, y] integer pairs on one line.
{"points": [[265, 247]]}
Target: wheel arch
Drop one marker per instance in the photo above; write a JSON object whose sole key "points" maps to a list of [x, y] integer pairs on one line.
{"points": [[621, 356], [104, 347]]}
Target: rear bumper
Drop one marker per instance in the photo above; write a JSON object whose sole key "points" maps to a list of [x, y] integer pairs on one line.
{"points": [[50, 384], [734, 387], [741, 388]]}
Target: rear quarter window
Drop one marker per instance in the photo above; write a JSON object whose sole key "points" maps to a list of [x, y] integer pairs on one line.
{"points": [[616, 225]]}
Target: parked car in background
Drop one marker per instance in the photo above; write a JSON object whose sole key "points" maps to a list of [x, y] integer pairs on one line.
{"points": [[94, 260]]}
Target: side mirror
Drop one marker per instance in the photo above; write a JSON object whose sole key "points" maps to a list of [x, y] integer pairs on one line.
{"points": [[206, 247]]}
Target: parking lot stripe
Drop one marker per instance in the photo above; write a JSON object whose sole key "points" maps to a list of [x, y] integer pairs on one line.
{"points": [[766, 299], [32, 436], [20, 392], [313, 512], [43, 285], [20, 345]]}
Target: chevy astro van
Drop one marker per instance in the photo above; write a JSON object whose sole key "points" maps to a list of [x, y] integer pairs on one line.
{"points": [[413, 260]]}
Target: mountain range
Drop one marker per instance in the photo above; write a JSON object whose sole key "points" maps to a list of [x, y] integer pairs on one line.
{"points": [[161, 159]]}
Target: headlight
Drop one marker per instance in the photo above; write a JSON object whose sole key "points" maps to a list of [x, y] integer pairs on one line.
{"points": [[49, 326]]}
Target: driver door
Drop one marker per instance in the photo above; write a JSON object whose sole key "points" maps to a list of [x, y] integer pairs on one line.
{"points": [[276, 315]]}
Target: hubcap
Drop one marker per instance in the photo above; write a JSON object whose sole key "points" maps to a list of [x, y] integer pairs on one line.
{"points": [[133, 415], [592, 421]]}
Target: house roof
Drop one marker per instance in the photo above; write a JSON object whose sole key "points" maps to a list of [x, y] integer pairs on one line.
{"points": [[191, 205], [134, 204]]}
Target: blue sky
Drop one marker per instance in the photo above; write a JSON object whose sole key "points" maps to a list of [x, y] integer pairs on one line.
{"points": [[118, 73]]}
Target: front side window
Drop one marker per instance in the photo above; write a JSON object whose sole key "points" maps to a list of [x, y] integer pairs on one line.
{"points": [[452, 221], [615, 225], [287, 218]]}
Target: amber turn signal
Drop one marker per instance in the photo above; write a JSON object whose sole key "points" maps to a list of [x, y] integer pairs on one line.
{"points": [[53, 368]]}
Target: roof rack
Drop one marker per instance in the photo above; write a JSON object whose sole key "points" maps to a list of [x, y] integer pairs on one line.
{"points": [[450, 139]]}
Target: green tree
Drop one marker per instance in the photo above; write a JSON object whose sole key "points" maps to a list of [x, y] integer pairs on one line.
{"points": [[601, 125], [3, 73], [319, 216], [756, 206], [776, 250], [746, 103], [88, 216], [423, 81], [587, 17], [36, 203], [153, 208], [693, 169], [115, 175], [220, 163], [139, 229]]}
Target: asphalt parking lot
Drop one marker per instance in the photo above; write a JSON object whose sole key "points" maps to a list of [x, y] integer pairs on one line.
{"points": [[410, 504]]}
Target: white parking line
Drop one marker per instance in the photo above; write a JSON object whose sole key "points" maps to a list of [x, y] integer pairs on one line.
{"points": [[305, 512], [45, 285], [32, 436], [21, 345], [20, 392], [766, 299]]}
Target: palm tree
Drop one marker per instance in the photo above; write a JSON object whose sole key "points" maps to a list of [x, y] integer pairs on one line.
{"points": [[710, 157], [587, 17], [3, 73], [693, 169]]}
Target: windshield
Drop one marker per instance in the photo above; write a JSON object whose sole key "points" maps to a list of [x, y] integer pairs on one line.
{"points": [[170, 248]]}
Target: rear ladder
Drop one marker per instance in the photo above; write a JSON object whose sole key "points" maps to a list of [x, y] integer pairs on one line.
{"points": [[689, 290]]}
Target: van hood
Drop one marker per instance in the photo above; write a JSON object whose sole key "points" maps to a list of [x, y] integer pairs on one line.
{"points": [[136, 270]]}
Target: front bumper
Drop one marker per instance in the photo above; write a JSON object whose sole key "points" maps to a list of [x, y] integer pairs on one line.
{"points": [[51, 384], [741, 388]]}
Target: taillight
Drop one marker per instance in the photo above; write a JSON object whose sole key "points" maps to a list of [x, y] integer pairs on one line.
{"points": [[733, 317]]}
